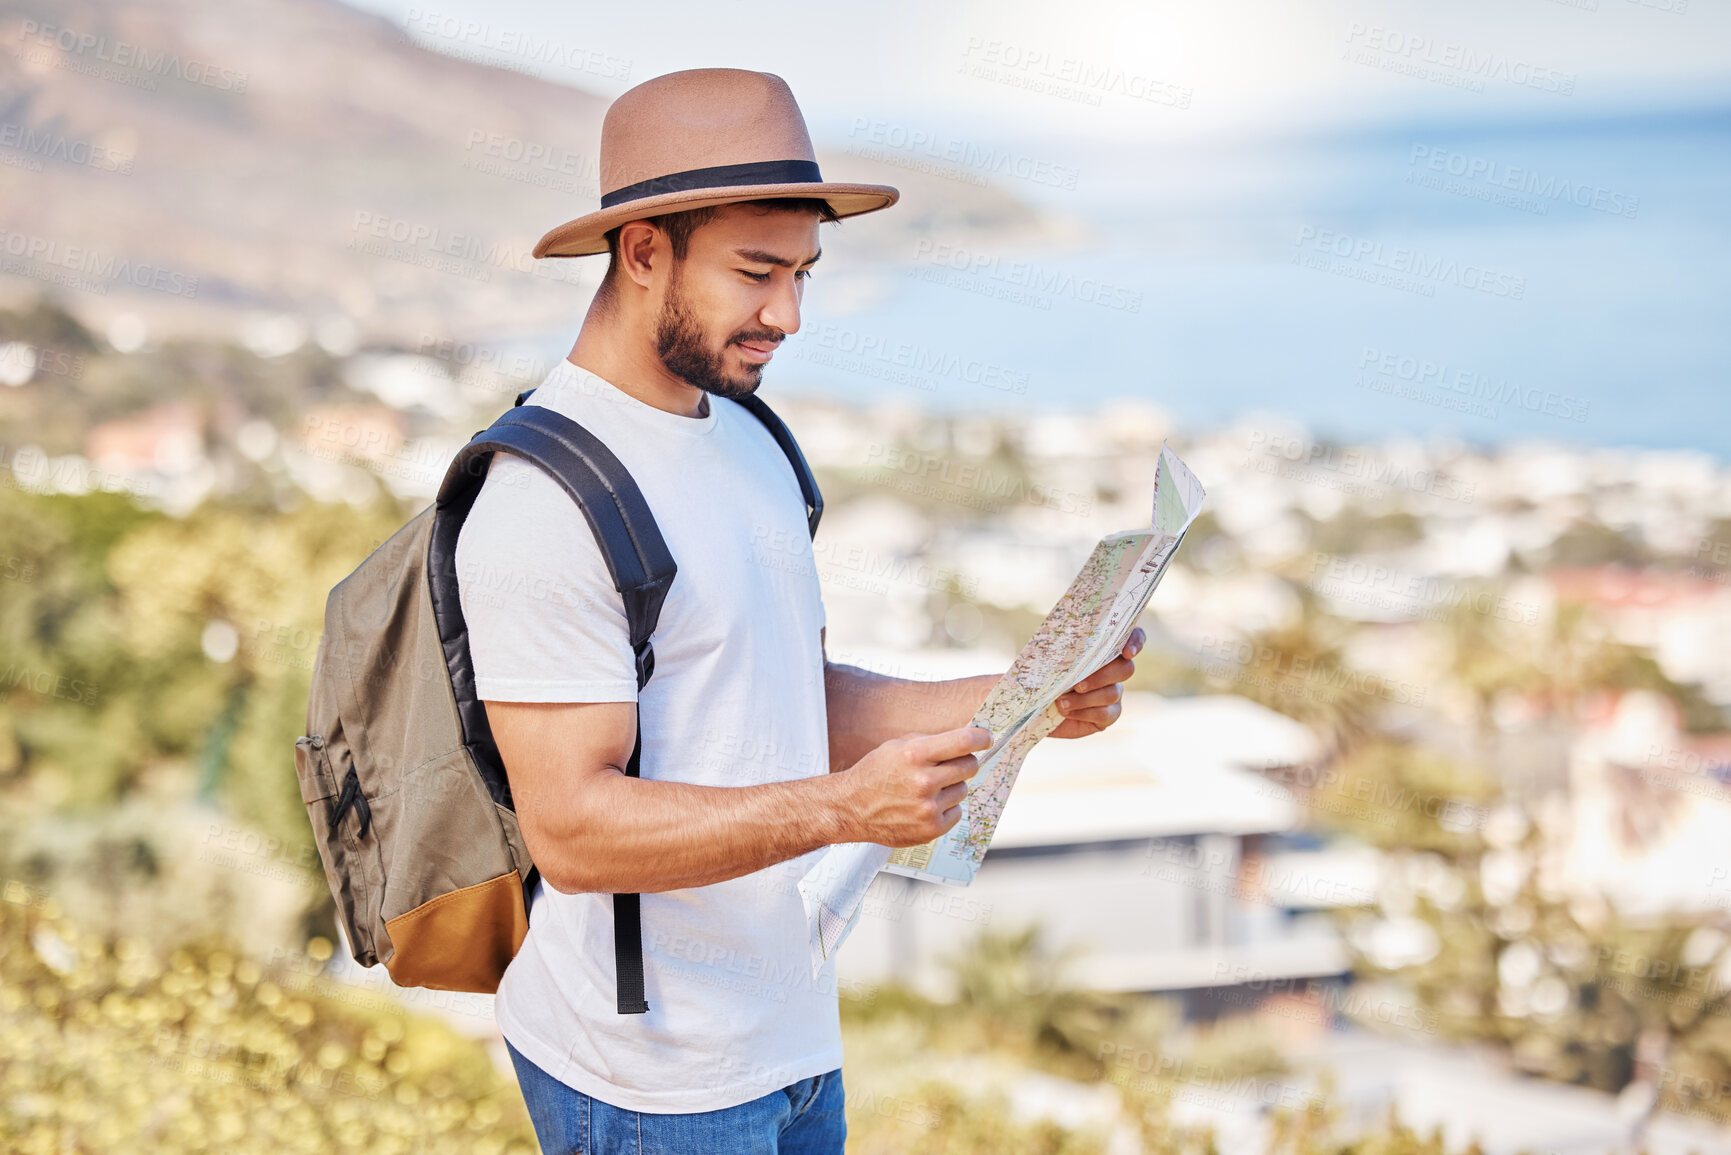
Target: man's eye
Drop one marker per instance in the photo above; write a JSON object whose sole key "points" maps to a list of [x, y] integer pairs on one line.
{"points": [[758, 277], [803, 275]]}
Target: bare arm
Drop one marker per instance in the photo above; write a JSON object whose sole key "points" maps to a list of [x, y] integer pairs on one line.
{"points": [[590, 828], [866, 709]]}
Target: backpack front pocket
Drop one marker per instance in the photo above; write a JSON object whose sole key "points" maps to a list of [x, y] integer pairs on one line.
{"points": [[341, 818]]}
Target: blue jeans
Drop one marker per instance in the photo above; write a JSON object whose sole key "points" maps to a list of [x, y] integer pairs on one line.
{"points": [[803, 1118]]}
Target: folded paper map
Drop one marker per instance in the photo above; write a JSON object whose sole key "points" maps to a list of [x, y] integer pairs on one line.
{"points": [[1084, 631]]}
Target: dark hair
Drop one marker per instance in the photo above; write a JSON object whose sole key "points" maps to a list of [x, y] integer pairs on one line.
{"points": [[680, 225]]}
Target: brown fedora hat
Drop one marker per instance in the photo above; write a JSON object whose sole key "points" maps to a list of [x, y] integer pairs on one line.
{"points": [[706, 136]]}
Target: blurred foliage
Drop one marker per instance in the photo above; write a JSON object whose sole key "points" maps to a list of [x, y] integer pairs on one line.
{"points": [[1559, 663], [1012, 993], [1314, 1131], [1572, 989], [1588, 543], [106, 1046], [1358, 531], [942, 1120], [948, 484], [1013, 1005], [46, 324], [1205, 538], [1396, 795], [1165, 667], [83, 382], [917, 1073], [108, 690], [1301, 671], [112, 1045]]}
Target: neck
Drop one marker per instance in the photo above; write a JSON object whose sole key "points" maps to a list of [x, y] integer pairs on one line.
{"points": [[621, 351]]}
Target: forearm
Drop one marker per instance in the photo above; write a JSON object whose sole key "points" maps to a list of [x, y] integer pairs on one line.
{"points": [[867, 709], [637, 835]]}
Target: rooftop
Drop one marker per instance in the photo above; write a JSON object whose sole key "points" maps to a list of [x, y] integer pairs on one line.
{"points": [[1168, 767]]}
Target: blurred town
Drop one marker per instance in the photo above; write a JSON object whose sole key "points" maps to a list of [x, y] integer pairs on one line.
{"points": [[1415, 802]]}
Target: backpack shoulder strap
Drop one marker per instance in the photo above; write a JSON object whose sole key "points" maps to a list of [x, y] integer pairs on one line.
{"points": [[778, 429], [637, 559]]}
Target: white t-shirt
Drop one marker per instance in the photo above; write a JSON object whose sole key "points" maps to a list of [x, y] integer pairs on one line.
{"points": [[737, 698]]}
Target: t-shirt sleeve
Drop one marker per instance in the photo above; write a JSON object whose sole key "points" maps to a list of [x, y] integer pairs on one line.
{"points": [[545, 623]]}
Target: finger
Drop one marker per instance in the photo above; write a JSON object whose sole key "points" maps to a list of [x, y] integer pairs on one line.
{"points": [[1117, 670], [951, 743], [958, 769], [951, 795], [1099, 717], [1069, 728], [1105, 695], [1134, 643]]}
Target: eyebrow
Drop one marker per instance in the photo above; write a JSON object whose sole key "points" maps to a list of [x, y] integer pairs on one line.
{"points": [[758, 256]]}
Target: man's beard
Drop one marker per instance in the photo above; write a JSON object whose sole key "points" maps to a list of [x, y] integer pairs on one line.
{"points": [[679, 341]]}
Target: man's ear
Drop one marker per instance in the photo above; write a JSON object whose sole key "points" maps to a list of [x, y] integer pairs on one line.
{"points": [[637, 251]]}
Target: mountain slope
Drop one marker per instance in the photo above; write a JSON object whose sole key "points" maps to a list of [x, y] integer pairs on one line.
{"points": [[189, 162]]}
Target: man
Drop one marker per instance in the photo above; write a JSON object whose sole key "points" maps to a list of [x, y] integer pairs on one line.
{"points": [[756, 750]]}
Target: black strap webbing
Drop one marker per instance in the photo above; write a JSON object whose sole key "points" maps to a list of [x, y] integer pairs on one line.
{"points": [[628, 908]]}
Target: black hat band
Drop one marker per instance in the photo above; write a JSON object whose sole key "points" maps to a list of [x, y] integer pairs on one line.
{"points": [[719, 176]]}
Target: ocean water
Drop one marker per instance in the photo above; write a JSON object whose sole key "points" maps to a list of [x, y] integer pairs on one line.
{"points": [[1566, 278]]}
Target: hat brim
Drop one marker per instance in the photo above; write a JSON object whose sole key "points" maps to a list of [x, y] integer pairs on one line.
{"points": [[587, 235]]}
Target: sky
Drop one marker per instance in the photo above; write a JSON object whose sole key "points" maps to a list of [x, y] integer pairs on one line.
{"points": [[1251, 65]]}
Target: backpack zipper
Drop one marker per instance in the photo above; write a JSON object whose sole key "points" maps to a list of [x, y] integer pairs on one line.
{"points": [[351, 796]]}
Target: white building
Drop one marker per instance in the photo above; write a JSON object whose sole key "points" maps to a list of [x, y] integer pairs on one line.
{"points": [[1135, 848]]}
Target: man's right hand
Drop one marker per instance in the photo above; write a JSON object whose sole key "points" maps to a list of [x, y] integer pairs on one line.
{"points": [[909, 790]]}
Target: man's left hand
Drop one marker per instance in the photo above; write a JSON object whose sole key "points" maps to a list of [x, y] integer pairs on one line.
{"points": [[1094, 703]]}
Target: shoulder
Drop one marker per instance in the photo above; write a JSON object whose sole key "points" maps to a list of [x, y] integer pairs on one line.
{"points": [[521, 511]]}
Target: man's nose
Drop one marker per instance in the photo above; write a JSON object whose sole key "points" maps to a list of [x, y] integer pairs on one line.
{"points": [[782, 309]]}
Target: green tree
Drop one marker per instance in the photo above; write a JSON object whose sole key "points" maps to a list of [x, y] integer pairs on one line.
{"points": [[1573, 990], [144, 654]]}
